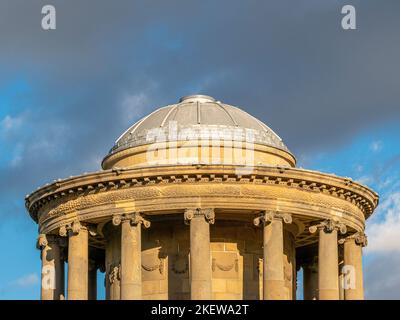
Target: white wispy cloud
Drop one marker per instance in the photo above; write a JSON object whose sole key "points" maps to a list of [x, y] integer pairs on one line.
{"points": [[383, 231], [366, 180], [27, 280], [9, 123], [20, 284], [133, 106], [376, 146]]}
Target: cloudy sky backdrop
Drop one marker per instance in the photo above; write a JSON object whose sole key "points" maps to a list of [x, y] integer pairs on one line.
{"points": [[67, 94]]}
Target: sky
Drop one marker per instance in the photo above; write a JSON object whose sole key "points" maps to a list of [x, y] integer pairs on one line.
{"points": [[66, 94]]}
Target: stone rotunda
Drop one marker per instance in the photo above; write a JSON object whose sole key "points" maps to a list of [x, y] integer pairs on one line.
{"points": [[200, 200]]}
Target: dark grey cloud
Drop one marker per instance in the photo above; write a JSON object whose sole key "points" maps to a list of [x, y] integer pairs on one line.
{"points": [[110, 62], [382, 277]]}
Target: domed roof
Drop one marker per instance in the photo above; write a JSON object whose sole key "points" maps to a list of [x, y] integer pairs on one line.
{"points": [[192, 116]]}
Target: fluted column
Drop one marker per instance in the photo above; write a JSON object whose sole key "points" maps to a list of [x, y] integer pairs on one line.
{"points": [[200, 254], [273, 267], [352, 272], [310, 279], [52, 283], [131, 254], [328, 269], [78, 249]]}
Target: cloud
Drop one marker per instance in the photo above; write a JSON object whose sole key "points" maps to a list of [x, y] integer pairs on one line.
{"points": [[27, 280], [382, 277], [366, 180], [292, 66], [10, 123], [21, 283], [133, 107], [376, 146], [11, 126], [383, 232]]}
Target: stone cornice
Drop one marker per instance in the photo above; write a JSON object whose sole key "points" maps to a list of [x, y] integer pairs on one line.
{"points": [[102, 181]]}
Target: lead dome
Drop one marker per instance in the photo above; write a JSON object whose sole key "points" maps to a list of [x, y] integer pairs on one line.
{"points": [[194, 118]]}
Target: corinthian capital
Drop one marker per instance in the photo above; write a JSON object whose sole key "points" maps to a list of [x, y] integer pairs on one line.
{"points": [[134, 218], [269, 216], [360, 238], [329, 226], [207, 213]]}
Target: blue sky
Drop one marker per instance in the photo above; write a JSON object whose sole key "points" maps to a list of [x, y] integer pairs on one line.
{"points": [[67, 94]]}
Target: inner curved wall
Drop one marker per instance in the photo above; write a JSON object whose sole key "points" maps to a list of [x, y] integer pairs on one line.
{"points": [[236, 261]]}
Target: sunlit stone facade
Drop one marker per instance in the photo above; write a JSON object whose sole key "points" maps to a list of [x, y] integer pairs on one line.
{"points": [[200, 200]]}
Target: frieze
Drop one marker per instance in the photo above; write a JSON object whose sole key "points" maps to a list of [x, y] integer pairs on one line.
{"points": [[56, 191], [107, 198]]}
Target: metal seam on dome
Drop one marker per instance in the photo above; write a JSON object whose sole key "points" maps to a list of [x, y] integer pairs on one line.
{"points": [[131, 127], [169, 112], [177, 110], [198, 112], [137, 124], [141, 121], [226, 111]]}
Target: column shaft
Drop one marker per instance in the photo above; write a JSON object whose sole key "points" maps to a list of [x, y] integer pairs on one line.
{"points": [[200, 264], [353, 277], [131, 261], [92, 283], [328, 270], [52, 284], [310, 282], [78, 265], [112, 263], [273, 274]]}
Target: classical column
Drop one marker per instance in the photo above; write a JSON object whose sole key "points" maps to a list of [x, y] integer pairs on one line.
{"points": [[113, 262], [52, 284], [77, 260], [328, 269], [92, 280], [310, 279], [352, 269], [200, 254], [273, 267], [131, 254]]}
